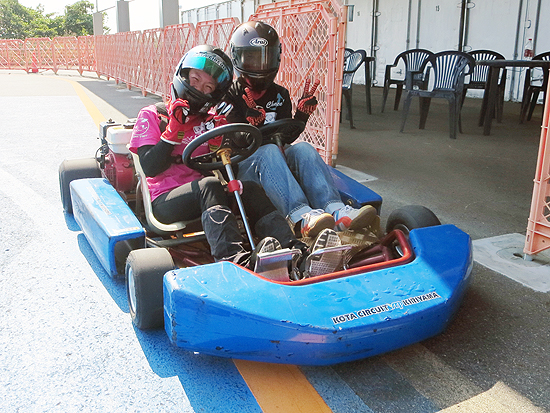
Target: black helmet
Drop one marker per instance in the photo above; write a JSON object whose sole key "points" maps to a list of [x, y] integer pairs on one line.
{"points": [[256, 54], [212, 61]]}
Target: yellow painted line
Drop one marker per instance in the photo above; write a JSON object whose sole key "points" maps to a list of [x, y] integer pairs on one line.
{"points": [[281, 388], [92, 109], [276, 387]]}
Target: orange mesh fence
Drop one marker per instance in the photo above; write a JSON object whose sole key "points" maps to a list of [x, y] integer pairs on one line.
{"points": [[313, 48], [86, 54], [538, 227], [128, 60], [12, 54], [65, 53], [216, 32], [150, 77], [177, 40], [334, 6], [105, 55], [312, 34], [39, 53]]}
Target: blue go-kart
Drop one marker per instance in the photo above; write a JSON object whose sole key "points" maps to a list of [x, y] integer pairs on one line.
{"points": [[392, 288]]}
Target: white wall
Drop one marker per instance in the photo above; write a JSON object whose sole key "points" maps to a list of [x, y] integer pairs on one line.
{"points": [[434, 25], [500, 25], [227, 8]]}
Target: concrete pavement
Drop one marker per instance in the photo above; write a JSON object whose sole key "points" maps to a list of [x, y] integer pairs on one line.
{"points": [[482, 184], [68, 343]]}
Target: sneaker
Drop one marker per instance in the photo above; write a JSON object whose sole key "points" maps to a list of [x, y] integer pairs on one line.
{"points": [[327, 262], [268, 244], [314, 221], [351, 218]]}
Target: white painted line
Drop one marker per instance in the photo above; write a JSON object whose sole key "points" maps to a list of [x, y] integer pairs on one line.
{"points": [[357, 175], [504, 254]]}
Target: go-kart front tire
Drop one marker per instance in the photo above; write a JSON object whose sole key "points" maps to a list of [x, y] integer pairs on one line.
{"points": [[72, 169], [145, 269], [411, 217]]}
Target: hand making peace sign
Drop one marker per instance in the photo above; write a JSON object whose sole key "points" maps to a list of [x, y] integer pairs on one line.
{"points": [[255, 115], [308, 103]]}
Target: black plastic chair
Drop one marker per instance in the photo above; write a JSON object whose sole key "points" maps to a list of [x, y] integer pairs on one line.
{"points": [[536, 81], [413, 60], [447, 70], [480, 75], [351, 63]]}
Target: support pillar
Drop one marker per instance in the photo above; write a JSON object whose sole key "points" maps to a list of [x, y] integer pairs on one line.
{"points": [[169, 12], [122, 16], [98, 24]]}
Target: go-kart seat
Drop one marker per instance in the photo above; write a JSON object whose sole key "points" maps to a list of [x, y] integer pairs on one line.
{"points": [[154, 224]]}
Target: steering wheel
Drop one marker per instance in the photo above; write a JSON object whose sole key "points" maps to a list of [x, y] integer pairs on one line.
{"points": [[234, 131], [282, 131]]}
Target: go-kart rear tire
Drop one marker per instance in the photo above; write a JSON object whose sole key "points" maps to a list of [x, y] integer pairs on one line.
{"points": [[72, 169], [145, 269], [411, 217]]}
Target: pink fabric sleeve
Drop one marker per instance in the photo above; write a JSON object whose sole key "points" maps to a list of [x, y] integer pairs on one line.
{"points": [[146, 130]]}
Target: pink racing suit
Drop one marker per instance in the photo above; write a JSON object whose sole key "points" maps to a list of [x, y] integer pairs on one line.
{"points": [[147, 132]]}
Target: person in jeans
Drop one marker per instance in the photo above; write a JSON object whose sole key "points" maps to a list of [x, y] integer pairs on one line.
{"points": [[180, 193], [298, 182]]}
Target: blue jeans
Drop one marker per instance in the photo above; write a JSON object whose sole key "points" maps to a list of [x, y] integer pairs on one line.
{"points": [[296, 183]]}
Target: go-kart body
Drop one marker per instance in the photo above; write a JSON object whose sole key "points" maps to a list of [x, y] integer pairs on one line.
{"points": [[225, 310], [380, 303]]}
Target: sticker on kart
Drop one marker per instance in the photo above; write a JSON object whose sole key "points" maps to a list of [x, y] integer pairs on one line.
{"points": [[384, 308]]}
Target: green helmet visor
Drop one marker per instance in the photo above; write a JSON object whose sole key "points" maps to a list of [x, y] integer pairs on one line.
{"points": [[210, 63]]}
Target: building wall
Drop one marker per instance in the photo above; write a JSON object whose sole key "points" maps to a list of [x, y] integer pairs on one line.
{"points": [[384, 28]]}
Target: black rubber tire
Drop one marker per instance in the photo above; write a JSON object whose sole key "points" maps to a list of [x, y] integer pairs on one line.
{"points": [[72, 169], [145, 269], [122, 249], [411, 217]]}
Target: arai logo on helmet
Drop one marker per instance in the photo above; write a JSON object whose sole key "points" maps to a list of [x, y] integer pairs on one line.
{"points": [[258, 41]]}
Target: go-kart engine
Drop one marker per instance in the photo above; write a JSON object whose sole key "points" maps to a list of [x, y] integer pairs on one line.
{"points": [[117, 163], [119, 171]]}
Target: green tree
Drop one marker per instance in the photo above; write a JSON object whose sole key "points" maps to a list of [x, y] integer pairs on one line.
{"points": [[20, 22], [42, 25], [14, 19], [79, 18]]}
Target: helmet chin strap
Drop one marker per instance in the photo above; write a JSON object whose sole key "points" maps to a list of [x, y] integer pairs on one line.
{"points": [[172, 92]]}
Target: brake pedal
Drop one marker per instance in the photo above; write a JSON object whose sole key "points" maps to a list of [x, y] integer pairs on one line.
{"points": [[274, 265]]}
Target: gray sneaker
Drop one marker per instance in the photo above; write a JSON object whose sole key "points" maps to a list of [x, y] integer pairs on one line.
{"points": [[314, 221], [353, 219], [324, 262]]}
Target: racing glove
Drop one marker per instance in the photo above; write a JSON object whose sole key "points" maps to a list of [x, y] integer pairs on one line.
{"points": [[215, 143], [308, 103], [255, 115], [177, 116]]}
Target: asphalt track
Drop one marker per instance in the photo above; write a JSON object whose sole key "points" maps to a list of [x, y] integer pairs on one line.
{"points": [[68, 344]]}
